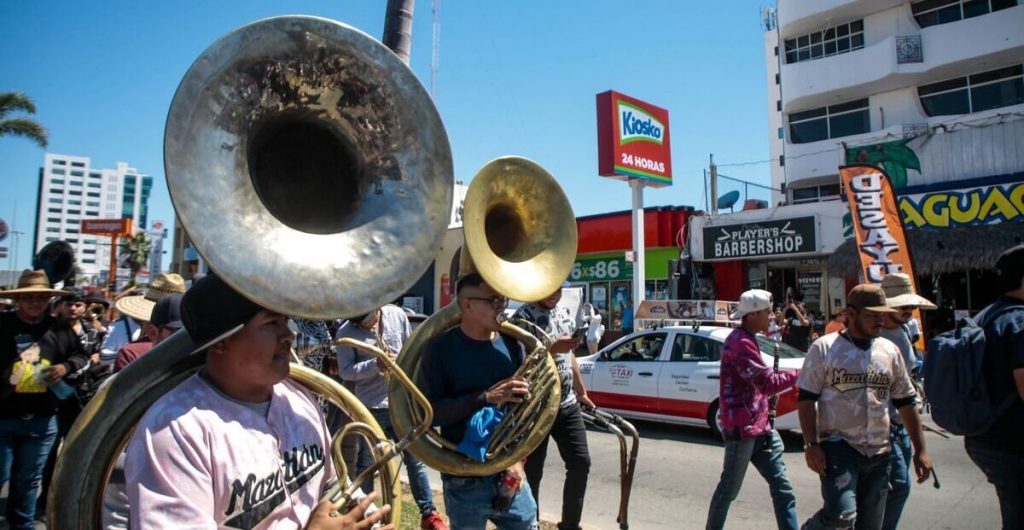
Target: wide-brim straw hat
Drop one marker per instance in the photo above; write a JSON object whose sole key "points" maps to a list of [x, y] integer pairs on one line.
{"points": [[899, 292], [140, 307], [32, 282]]}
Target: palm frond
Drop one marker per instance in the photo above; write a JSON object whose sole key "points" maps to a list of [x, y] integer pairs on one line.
{"points": [[24, 127], [10, 101]]}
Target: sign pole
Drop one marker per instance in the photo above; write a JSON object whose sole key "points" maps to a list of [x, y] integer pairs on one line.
{"points": [[638, 241], [112, 275]]}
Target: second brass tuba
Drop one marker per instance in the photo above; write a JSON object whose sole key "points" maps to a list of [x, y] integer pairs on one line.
{"points": [[520, 235]]}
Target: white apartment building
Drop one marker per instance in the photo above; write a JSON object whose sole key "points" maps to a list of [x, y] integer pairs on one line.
{"points": [[933, 90], [71, 190]]}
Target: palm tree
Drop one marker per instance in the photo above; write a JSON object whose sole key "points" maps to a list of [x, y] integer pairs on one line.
{"points": [[29, 128], [134, 253]]}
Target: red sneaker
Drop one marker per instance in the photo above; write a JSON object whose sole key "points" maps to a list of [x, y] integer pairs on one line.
{"points": [[433, 522]]}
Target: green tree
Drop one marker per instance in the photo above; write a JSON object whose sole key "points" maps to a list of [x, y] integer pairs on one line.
{"points": [[29, 128], [134, 253]]}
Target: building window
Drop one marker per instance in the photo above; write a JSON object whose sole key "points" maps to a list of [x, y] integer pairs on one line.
{"points": [[782, 132], [75, 183], [53, 210], [935, 12], [974, 93], [90, 261], [57, 182], [831, 41], [60, 163], [93, 194], [88, 251], [74, 212], [92, 213], [71, 230], [92, 203], [52, 229], [78, 164], [833, 121], [77, 173], [72, 240], [95, 185], [74, 202], [55, 200], [57, 171], [825, 192], [74, 192], [53, 219]]}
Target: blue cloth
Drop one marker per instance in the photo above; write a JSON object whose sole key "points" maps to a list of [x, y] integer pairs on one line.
{"points": [[854, 489], [627, 319], [419, 479], [900, 457], [1004, 353], [468, 503], [1004, 470], [478, 432], [456, 371], [765, 452], [24, 446]]}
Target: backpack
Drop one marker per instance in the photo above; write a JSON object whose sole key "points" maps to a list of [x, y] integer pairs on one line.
{"points": [[954, 376]]}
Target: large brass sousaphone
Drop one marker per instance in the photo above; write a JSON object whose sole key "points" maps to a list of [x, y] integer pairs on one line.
{"points": [[521, 237], [313, 173]]}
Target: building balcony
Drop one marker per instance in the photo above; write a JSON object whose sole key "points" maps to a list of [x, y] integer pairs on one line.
{"points": [[946, 50], [797, 17]]}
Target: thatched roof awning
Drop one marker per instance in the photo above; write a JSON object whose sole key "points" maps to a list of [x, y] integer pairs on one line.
{"points": [[938, 251]]}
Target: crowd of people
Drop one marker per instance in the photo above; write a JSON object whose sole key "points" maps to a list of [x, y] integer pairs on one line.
{"points": [[239, 445]]}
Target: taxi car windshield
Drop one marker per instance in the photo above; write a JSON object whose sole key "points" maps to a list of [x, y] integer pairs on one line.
{"points": [[785, 350]]}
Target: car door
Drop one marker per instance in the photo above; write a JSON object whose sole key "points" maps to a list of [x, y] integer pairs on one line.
{"points": [[625, 376], [689, 380]]}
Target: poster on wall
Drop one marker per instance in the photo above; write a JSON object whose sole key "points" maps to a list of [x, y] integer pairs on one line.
{"points": [[809, 284]]}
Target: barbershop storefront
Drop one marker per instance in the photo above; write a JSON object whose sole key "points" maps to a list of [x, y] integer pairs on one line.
{"points": [[782, 250]]}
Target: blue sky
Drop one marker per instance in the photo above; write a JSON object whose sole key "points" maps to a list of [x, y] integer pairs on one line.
{"points": [[514, 78]]}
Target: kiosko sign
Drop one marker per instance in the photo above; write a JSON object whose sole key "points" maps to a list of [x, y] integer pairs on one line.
{"points": [[633, 140], [764, 238]]}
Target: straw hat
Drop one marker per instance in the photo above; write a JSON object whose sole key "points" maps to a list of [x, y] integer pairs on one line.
{"points": [[899, 292], [33, 282], [140, 307]]}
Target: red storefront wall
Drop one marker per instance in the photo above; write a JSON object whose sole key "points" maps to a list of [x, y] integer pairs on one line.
{"points": [[730, 279], [614, 231]]}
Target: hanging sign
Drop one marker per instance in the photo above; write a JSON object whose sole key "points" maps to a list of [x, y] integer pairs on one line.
{"points": [[633, 140], [881, 243], [761, 238]]}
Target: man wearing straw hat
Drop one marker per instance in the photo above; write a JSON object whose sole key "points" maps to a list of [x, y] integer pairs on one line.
{"points": [[901, 296], [36, 352], [237, 445], [129, 330]]}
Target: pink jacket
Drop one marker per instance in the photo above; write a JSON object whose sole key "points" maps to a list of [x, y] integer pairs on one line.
{"points": [[746, 384]]}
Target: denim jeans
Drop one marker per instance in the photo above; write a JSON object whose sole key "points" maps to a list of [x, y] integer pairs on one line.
{"points": [[765, 452], [1004, 470], [854, 489], [419, 480], [468, 501], [900, 458], [24, 446], [571, 438]]}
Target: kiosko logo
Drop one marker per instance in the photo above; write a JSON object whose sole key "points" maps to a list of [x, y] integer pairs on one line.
{"points": [[636, 125]]}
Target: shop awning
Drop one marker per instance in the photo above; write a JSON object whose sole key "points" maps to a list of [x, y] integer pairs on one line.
{"points": [[939, 251]]}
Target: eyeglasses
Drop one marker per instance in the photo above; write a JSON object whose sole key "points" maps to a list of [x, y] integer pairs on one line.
{"points": [[497, 302]]}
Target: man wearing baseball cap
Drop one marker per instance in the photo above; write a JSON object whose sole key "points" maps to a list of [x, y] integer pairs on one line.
{"points": [[237, 445], [746, 385], [846, 386]]}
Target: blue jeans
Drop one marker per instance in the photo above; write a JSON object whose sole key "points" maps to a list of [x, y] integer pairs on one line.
{"points": [[468, 503], [24, 446], [419, 480], [1004, 469], [900, 458], [765, 452], [854, 489]]}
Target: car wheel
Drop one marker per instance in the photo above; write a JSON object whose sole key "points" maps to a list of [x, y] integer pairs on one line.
{"points": [[715, 420]]}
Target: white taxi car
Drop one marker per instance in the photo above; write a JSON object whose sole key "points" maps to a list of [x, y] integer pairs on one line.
{"points": [[671, 375]]}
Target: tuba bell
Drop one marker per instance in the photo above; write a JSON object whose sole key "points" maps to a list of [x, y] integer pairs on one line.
{"points": [[313, 173], [520, 235]]}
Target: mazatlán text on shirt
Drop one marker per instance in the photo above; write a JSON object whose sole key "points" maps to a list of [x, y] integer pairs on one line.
{"points": [[843, 381], [259, 497]]}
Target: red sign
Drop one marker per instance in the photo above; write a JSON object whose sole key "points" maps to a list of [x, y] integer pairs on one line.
{"points": [[107, 227], [633, 140]]}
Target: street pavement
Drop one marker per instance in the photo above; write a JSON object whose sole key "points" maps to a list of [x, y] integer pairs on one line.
{"points": [[678, 468]]}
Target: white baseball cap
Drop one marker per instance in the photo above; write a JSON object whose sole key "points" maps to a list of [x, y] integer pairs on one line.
{"points": [[751, 301]]}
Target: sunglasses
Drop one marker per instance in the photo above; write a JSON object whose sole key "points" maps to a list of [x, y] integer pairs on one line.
{"points": [[497, 302]]}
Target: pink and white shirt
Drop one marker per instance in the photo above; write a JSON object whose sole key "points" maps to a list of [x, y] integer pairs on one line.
{"points": [[201, 460]]}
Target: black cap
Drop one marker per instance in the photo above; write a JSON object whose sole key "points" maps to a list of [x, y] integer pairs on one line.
{"points": [[74, 294], [211, 310], [167, 312]]}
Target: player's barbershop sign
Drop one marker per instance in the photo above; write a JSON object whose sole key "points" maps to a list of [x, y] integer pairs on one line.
{"points": [[762, 238]]}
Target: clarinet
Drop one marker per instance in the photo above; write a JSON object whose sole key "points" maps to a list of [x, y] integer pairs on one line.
{"points": [[773, 401]]}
